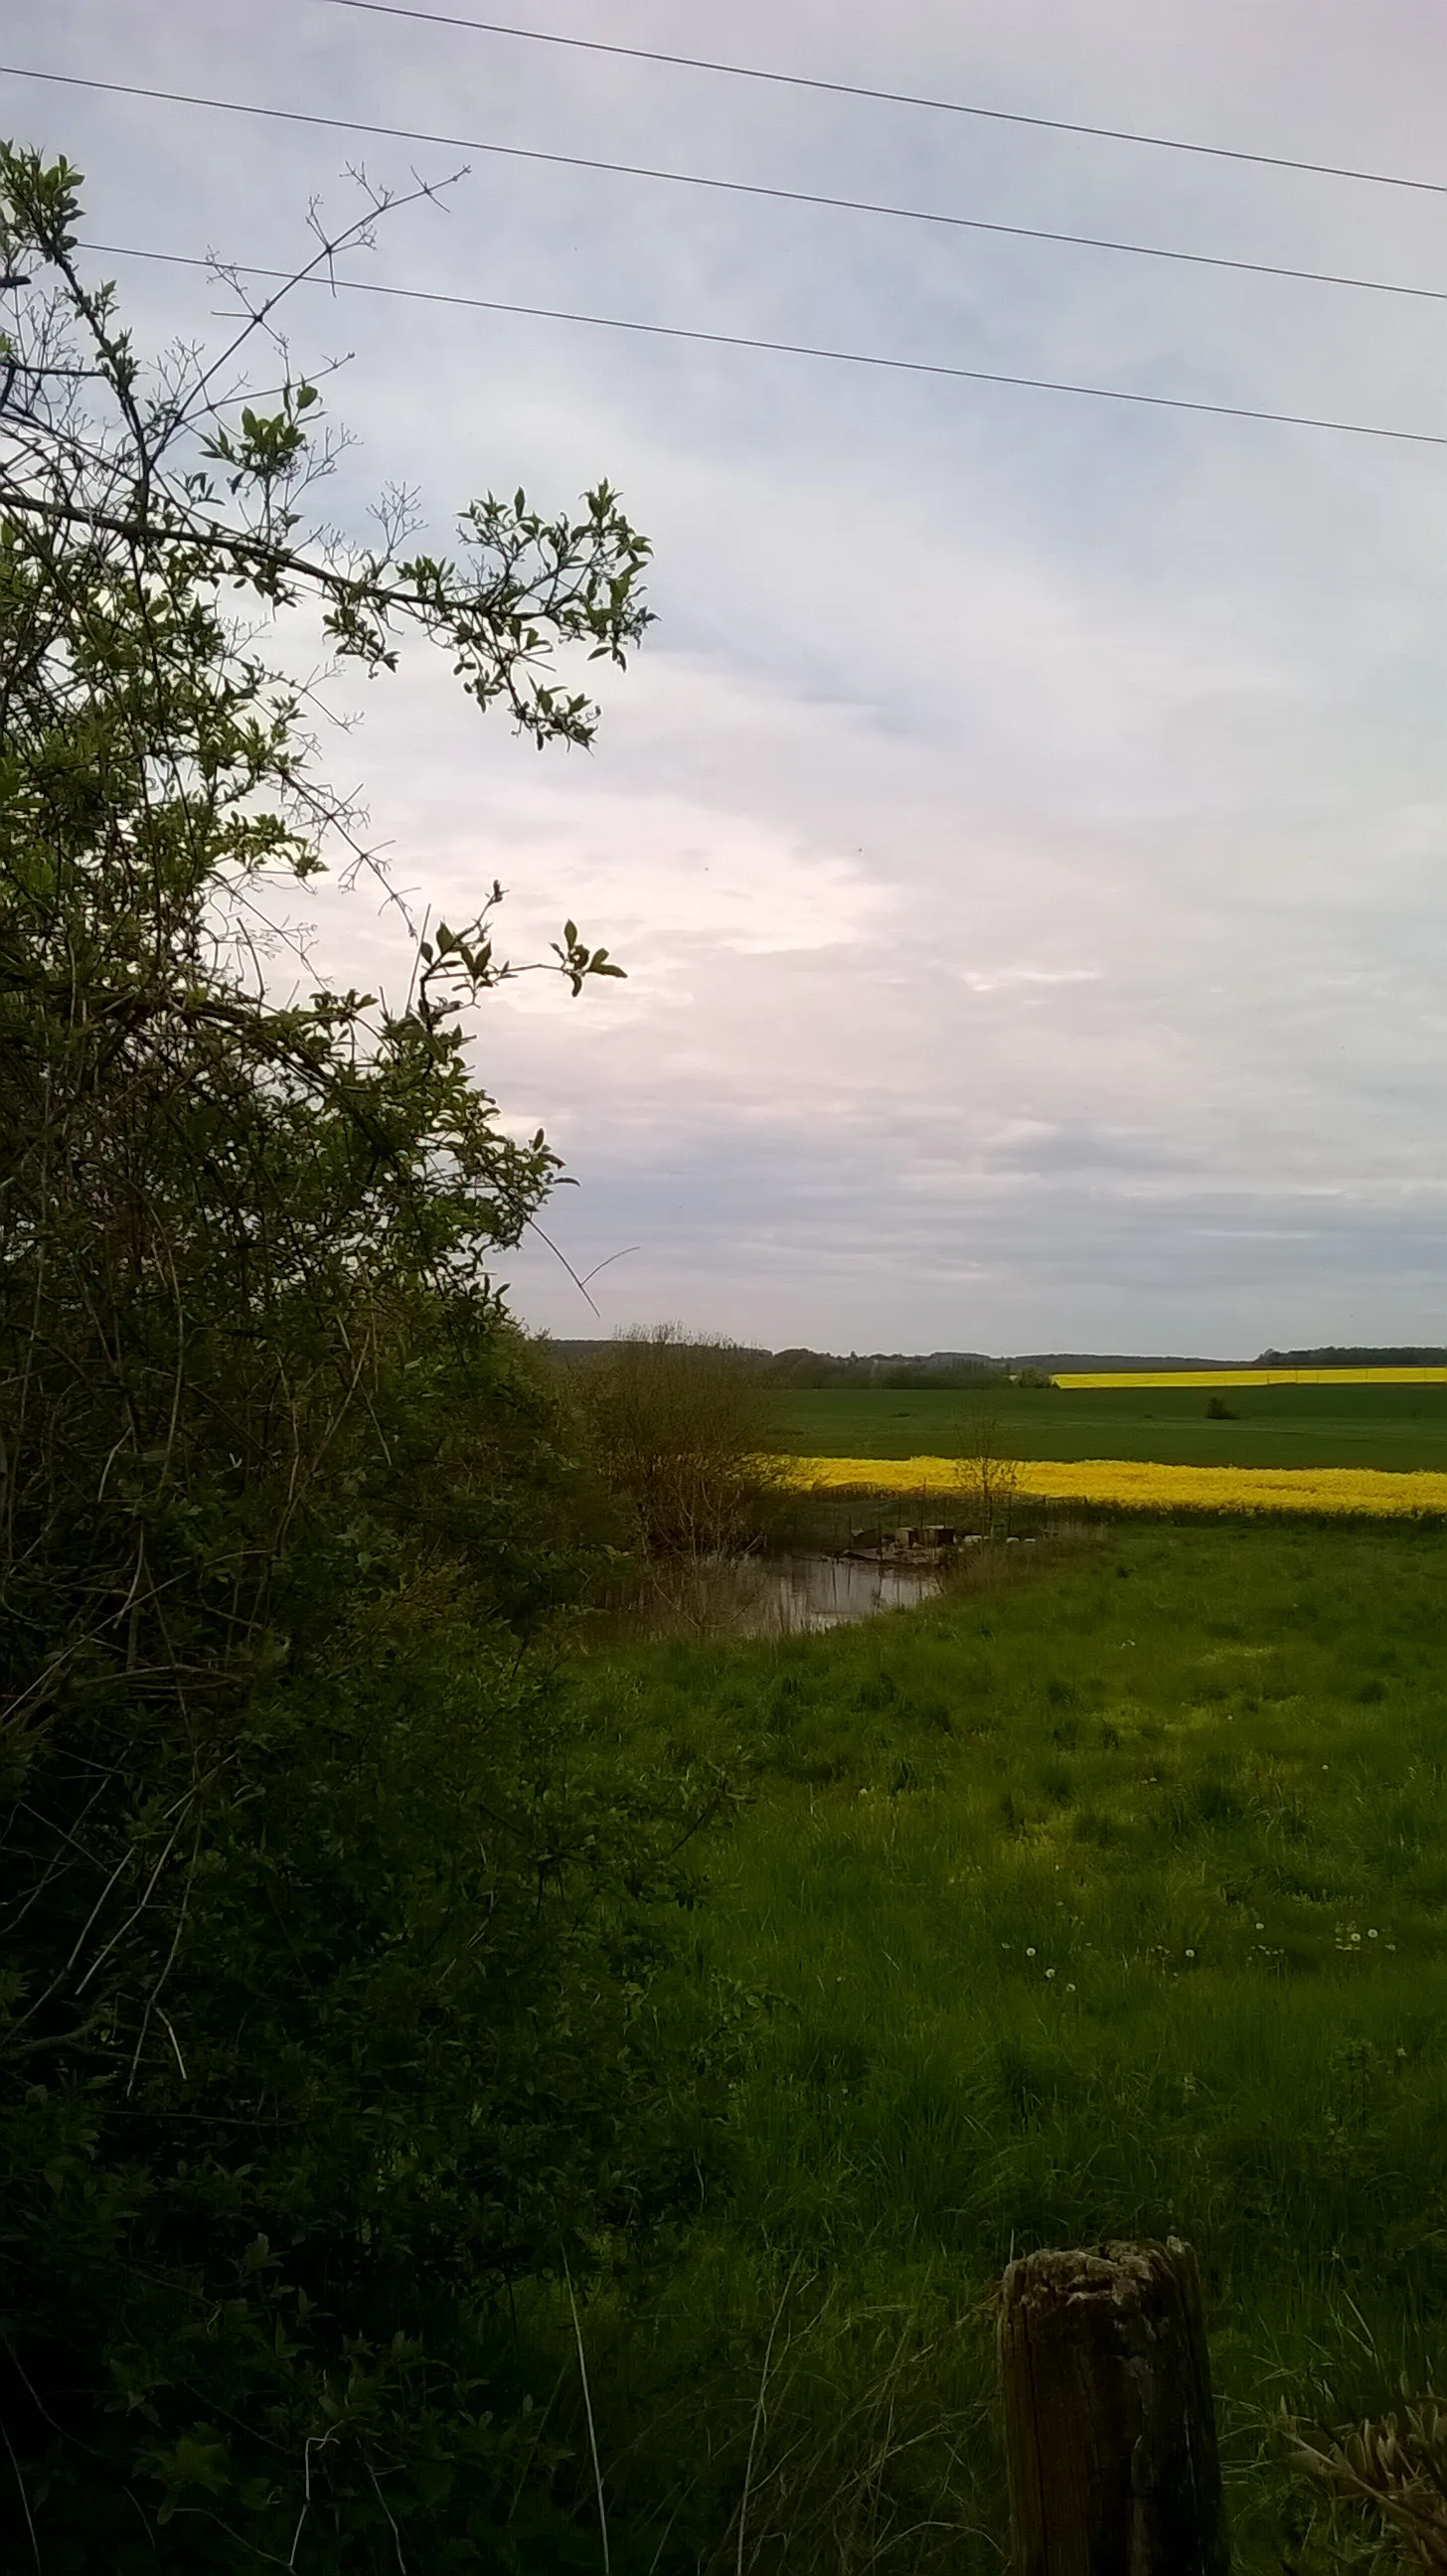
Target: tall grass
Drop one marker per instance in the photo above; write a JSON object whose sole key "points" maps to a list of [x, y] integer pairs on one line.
{"points": [[1109, 1900]]}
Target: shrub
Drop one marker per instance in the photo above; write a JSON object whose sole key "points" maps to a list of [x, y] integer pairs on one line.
{"points": [[330, 1938], [680, 1425]]}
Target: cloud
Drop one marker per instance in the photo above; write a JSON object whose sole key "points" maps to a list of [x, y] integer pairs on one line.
{"points": [[1024, 829], [1006, 979]]}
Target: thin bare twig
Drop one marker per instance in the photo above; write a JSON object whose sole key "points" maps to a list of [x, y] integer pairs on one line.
{"points": [[396, 2535], [313, 2442], [588, 2411], [24, 2498]]}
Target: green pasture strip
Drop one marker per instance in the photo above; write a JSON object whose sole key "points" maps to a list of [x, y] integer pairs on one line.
{"points": [[1108, 1899], [1394, 1426]]}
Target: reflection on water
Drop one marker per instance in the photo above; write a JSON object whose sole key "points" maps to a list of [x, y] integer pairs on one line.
{"points": [[771, 1596], [829, 1591]]}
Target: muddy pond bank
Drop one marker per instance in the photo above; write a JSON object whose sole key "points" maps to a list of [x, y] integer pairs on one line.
{"points": [[789, 1592]]}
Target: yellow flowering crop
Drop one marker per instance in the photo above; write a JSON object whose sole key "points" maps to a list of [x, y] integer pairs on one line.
{"points": [[1255, 1377], [1141, 1485]]}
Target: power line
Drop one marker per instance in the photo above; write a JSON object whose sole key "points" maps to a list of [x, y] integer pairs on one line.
{"points": [[893, 97], [732, 187], [784, 348]]}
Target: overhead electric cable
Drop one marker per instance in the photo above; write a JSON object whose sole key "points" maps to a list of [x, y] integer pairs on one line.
{"points": [[893, 97], [733, 187], [782, 348]]}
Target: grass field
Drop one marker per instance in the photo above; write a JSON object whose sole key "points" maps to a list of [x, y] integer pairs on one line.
{"points": [[1279, 1426], [1107, 1898]]}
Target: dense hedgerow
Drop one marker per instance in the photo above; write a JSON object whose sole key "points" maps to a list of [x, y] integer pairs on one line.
{"points": [[328, 2009]]}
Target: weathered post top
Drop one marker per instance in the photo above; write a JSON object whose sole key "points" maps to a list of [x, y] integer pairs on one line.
{"points": [[1110, 2437]]}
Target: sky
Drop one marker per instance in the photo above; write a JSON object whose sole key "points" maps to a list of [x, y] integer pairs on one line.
{"points": [[1025, 827]]}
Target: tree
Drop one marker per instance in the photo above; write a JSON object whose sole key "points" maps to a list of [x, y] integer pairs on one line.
{"points": [[986, 1474], [321, 2008], [681, 1425]]}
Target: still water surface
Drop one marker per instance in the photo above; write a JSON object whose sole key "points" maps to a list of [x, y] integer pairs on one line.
{"points": [[771, 1596], [829, 1591]]}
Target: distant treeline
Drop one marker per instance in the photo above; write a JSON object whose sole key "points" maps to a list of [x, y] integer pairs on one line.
{"points": [[1338, 1355], [805, 1368], [940, 1371], [946, 1369], [935, 1369], [925, 1371]]}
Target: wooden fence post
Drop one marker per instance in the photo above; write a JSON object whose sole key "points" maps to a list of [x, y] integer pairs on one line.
{"points": [[1110, 2437]]}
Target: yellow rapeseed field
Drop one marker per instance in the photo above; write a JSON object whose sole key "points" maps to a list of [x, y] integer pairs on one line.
{"points": [[1139, 1485], [1255, 1377]]}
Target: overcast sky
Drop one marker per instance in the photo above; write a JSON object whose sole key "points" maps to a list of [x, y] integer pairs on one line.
{"points": [[1026, 826]]}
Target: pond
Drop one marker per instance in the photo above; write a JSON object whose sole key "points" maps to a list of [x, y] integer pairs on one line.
{"points": [[769, 1596]]}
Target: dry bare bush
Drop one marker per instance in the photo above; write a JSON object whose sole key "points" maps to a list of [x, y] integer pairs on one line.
{"points": [[680, 1424], [986, 1475]]}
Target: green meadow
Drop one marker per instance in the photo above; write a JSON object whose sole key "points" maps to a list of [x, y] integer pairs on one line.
{"points": [[1274, 1426], [1106, 1896]]}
